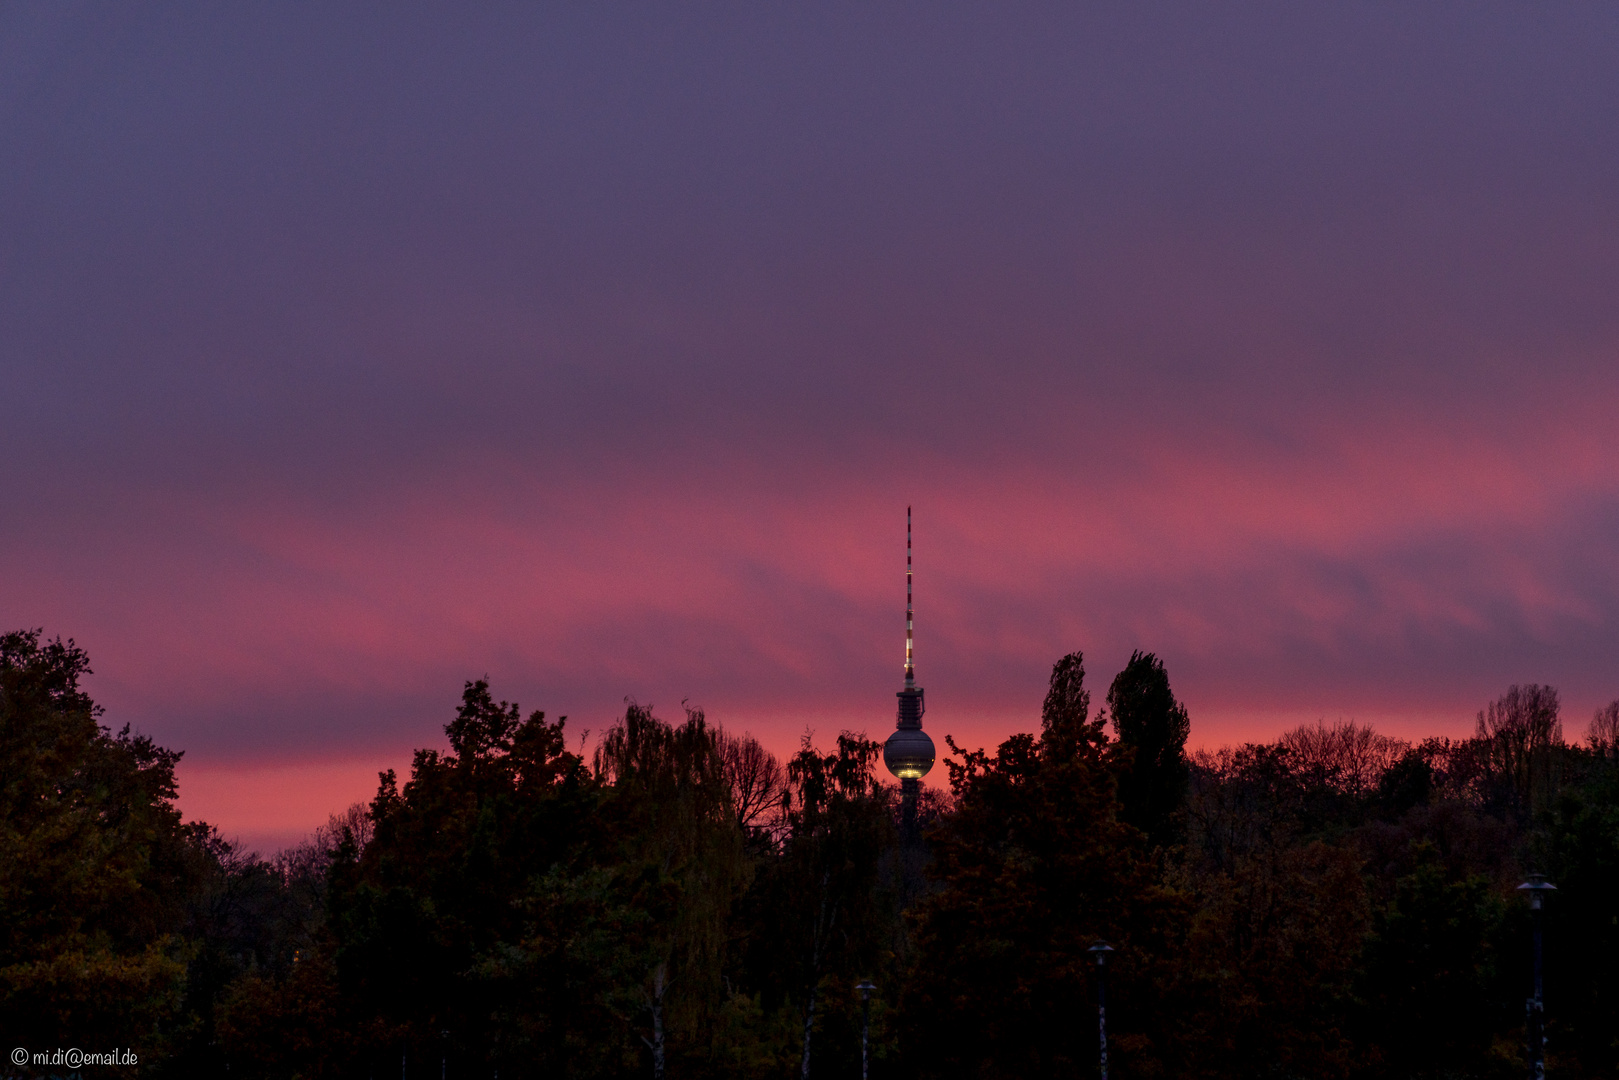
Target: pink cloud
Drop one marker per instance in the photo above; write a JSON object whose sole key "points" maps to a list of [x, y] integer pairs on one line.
{"points": [[1345, 577]]}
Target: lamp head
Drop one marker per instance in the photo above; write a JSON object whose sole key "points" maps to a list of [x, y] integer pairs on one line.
{"points": [[1537, 887]]}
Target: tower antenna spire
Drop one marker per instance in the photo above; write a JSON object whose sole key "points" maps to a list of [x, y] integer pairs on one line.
{"points": [[910, 669]]}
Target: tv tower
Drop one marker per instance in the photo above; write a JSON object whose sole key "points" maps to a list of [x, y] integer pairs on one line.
{"points": [[908, 753]]}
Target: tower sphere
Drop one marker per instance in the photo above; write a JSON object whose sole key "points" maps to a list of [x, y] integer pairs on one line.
{"points": [[908, 753]]}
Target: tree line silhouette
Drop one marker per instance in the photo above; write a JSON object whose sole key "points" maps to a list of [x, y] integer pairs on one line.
{"points": [[681, 904]]}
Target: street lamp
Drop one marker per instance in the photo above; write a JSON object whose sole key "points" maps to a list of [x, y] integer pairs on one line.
{"points": [[1537, 886], [1100, 951], [865, 989]]}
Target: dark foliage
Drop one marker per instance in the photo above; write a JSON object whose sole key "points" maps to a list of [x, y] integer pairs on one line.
{"points": [[1033, 867], [1332, 904], [96, 869]]}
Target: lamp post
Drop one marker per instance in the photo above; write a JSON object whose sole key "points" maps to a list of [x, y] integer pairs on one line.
{"points": [[865, 989], [1100, 951], [1537, 886]]}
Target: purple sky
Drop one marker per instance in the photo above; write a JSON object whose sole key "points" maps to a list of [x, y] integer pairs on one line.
{"points": [[350, 352]]}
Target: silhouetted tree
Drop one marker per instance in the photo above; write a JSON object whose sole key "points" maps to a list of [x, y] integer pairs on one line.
{"points": [[1348, 756], [97, 872], [1065, 714], [1604, 732], [833, 917], [480, 908], [1032, 866], [1516, 735], [757, 783], [1147, 719], [671, 804]]}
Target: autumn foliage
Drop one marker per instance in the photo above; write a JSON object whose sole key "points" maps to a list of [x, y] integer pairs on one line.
{"points": [[679, 903]]}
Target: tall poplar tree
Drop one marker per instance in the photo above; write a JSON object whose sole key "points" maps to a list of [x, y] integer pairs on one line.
{"points": [[1153, 725]]}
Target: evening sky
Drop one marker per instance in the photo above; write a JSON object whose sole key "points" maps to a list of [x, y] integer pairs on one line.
{"points": [[351, 351]]}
